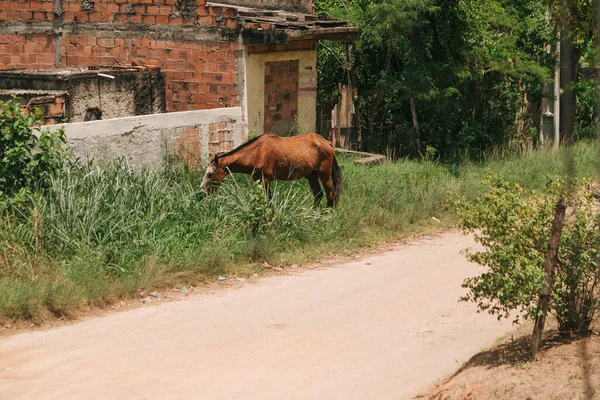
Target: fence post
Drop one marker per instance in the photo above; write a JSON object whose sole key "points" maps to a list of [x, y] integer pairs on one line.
{"points": [[551, 258]]}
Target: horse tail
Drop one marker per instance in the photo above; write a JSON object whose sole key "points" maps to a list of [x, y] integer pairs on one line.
{"points": [[336, 176]]}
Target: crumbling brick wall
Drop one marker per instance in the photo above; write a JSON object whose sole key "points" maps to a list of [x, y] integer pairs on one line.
{"points": [[34, 51], [53, 108], [199, 75], [197, 45], [194, 44], [186, 142], [145, 140]]}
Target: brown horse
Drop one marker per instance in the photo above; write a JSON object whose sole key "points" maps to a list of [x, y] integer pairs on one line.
{"points": [[270, 157]]}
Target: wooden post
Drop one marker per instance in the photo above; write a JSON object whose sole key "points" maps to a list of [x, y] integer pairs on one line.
{"points": [[338, 111], [556, 111], [551, 258], [598, 86], [569, 57]]}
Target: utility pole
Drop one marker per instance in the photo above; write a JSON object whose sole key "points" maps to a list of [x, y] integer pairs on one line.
{"points": [[569, 59], [551, 258], [556, 111]]}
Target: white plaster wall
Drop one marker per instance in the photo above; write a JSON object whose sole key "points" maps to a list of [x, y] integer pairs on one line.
{"points": [[144, 140], [255, 88]]}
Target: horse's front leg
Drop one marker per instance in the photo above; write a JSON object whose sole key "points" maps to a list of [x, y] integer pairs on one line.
{"points": [[267, 183]]}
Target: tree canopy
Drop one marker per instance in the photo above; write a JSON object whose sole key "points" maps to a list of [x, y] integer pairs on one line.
{"points": [[458, 76]]}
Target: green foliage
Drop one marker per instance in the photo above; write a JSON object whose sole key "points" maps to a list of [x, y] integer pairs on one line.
{"points": [[256, 214], [94, 235], [28, 154], [468, 66], [514, 225], [430, 154], [251, 135], [586, 111]]}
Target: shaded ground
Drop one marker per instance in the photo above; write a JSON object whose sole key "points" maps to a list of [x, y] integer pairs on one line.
{"points": [[385, 327], [567, 368]]}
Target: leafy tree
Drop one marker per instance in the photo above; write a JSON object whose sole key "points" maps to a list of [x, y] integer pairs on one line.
{"points": [[458, 75]]}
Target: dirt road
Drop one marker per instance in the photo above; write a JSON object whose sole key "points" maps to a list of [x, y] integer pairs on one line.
{"points": [[384, 327]]}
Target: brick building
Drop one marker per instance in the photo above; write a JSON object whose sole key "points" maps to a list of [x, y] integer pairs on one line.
{"points": [[259, 55]]}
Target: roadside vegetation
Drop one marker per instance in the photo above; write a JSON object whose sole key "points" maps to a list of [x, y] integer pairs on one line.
{"points": [[84, 235], [513, 225]]}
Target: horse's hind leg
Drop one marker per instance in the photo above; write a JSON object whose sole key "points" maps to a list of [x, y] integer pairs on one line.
{"points": [[328, 185], [313, 180]]}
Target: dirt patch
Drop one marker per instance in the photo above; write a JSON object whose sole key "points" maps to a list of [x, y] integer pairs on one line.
{"points": [[386, 326], [567, 368], [144, 299]]}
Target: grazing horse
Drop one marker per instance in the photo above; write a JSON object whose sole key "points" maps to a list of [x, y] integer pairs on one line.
{"points": [[270, 157]]}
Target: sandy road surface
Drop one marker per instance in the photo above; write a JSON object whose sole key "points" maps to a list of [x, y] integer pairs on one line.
{"points": [[384, 327]]}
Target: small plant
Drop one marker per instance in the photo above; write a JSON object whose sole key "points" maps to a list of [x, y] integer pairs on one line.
{"points": [[430, 155], [252, 135], [258, 215], [28, 153], [514, 226], [297, 128], [288, 215]]}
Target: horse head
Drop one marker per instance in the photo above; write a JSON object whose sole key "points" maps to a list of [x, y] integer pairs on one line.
{"points": [[214, 175]]}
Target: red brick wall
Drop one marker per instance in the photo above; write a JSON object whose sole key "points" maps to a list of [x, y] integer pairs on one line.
{"points": [[199, 75], [147, 12], [281, 96], [187, 141], [33, 51], [185, 145], [12, 10]]}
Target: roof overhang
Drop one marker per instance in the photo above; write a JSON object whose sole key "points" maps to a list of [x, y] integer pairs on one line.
{"points": [[261, 26], [343, 33]]}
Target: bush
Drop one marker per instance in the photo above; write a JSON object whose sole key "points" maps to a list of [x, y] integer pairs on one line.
{"points": [[514, 227], [28, 154]]}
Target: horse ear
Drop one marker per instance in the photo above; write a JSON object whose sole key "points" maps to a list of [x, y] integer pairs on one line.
{"points": [[215, 159]]}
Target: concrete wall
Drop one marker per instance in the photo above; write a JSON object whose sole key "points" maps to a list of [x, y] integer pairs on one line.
{"points": [[130, 92], [307, 87], [149, 140], [134, 93]]}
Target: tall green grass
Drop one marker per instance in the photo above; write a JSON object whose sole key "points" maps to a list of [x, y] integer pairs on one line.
{"points": [[96, 235]]}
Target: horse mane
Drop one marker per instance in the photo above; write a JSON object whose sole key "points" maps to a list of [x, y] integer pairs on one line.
{"points": [[240, 147]]}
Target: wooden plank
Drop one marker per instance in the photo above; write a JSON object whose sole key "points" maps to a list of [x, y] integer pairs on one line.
{"points": [[357, 153]]}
